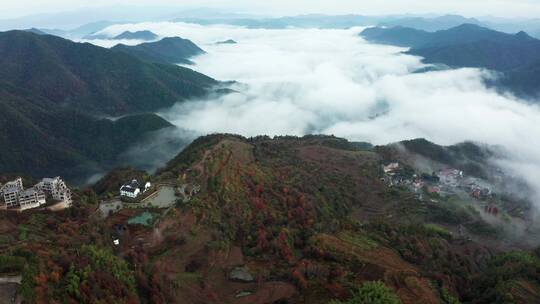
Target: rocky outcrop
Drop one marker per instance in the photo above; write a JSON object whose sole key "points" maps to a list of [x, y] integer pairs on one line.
{"points": [[241, 274]]}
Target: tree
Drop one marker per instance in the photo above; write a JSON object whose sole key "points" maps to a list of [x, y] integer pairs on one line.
{"points": [[374, 292], [72, 282]]}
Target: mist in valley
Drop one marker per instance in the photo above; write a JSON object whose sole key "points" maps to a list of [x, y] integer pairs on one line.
{"points": [[314, 81]]}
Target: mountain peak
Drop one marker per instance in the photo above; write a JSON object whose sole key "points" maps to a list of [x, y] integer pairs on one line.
{"points": [[468, 27], [523, 35], [35, 31], [139, 35]]}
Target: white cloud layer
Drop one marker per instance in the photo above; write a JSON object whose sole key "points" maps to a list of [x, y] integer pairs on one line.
{"points": [[333, 82]]}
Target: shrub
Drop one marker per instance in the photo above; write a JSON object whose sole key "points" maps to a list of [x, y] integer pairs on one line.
{"points": [[500, 274], [448, 298], [11, 263], [437, 230], [374, 292], [105, 260]]}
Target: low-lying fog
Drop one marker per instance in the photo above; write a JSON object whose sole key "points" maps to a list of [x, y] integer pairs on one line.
{"points": [[299, 81]]}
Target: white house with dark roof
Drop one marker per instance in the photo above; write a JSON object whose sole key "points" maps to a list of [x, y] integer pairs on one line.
{"points": [[133, 189]]}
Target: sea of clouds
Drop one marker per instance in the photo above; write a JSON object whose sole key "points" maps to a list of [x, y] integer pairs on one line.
{"points": [[305, 81]]}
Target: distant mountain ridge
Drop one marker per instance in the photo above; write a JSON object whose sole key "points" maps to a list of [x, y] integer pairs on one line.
{"points": [[431, 24], [35, 31], [96, 20], [127, 35], [398, 35], [228, 41], [462, 34], [138, 35], [338, 21], [171, 50], [517, 56], [80, 31]]}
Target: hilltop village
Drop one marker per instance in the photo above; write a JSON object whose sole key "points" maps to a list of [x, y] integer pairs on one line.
{"points": [[441, 183], [13, 195]]}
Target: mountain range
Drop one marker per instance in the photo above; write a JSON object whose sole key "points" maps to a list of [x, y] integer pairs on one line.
{"points": [[302, 21], [430, 24], [516, 56], [68, 24], [81, 30], [127, 35], [54, 91]]}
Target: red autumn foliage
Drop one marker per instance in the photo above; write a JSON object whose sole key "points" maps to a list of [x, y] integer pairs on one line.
{"points": [[336, 290], [300, 279], [262, 242]]}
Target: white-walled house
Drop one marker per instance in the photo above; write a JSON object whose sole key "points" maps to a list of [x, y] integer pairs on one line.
{"points": [[133, 189], [16, 197], [10, 191], [56, 188], [16, 184], [31, 198]]}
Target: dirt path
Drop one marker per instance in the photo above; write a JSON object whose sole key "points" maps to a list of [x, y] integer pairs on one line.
{"points": [[10, 279]]}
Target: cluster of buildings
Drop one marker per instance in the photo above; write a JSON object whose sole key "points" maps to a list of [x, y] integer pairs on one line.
{"points": [[444, 182], [133, 189], [15, 196]]}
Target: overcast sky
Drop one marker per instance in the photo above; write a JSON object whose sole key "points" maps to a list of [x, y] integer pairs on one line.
{"points": [[502, 8]]}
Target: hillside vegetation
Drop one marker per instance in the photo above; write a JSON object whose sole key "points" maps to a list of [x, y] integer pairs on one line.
{"points": [[84, 76], [283, 220], [45, 140]]}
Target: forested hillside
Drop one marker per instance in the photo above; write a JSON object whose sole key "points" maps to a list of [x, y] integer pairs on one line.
{"points": [[84, 76], [54, 91], [284, 220]]}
